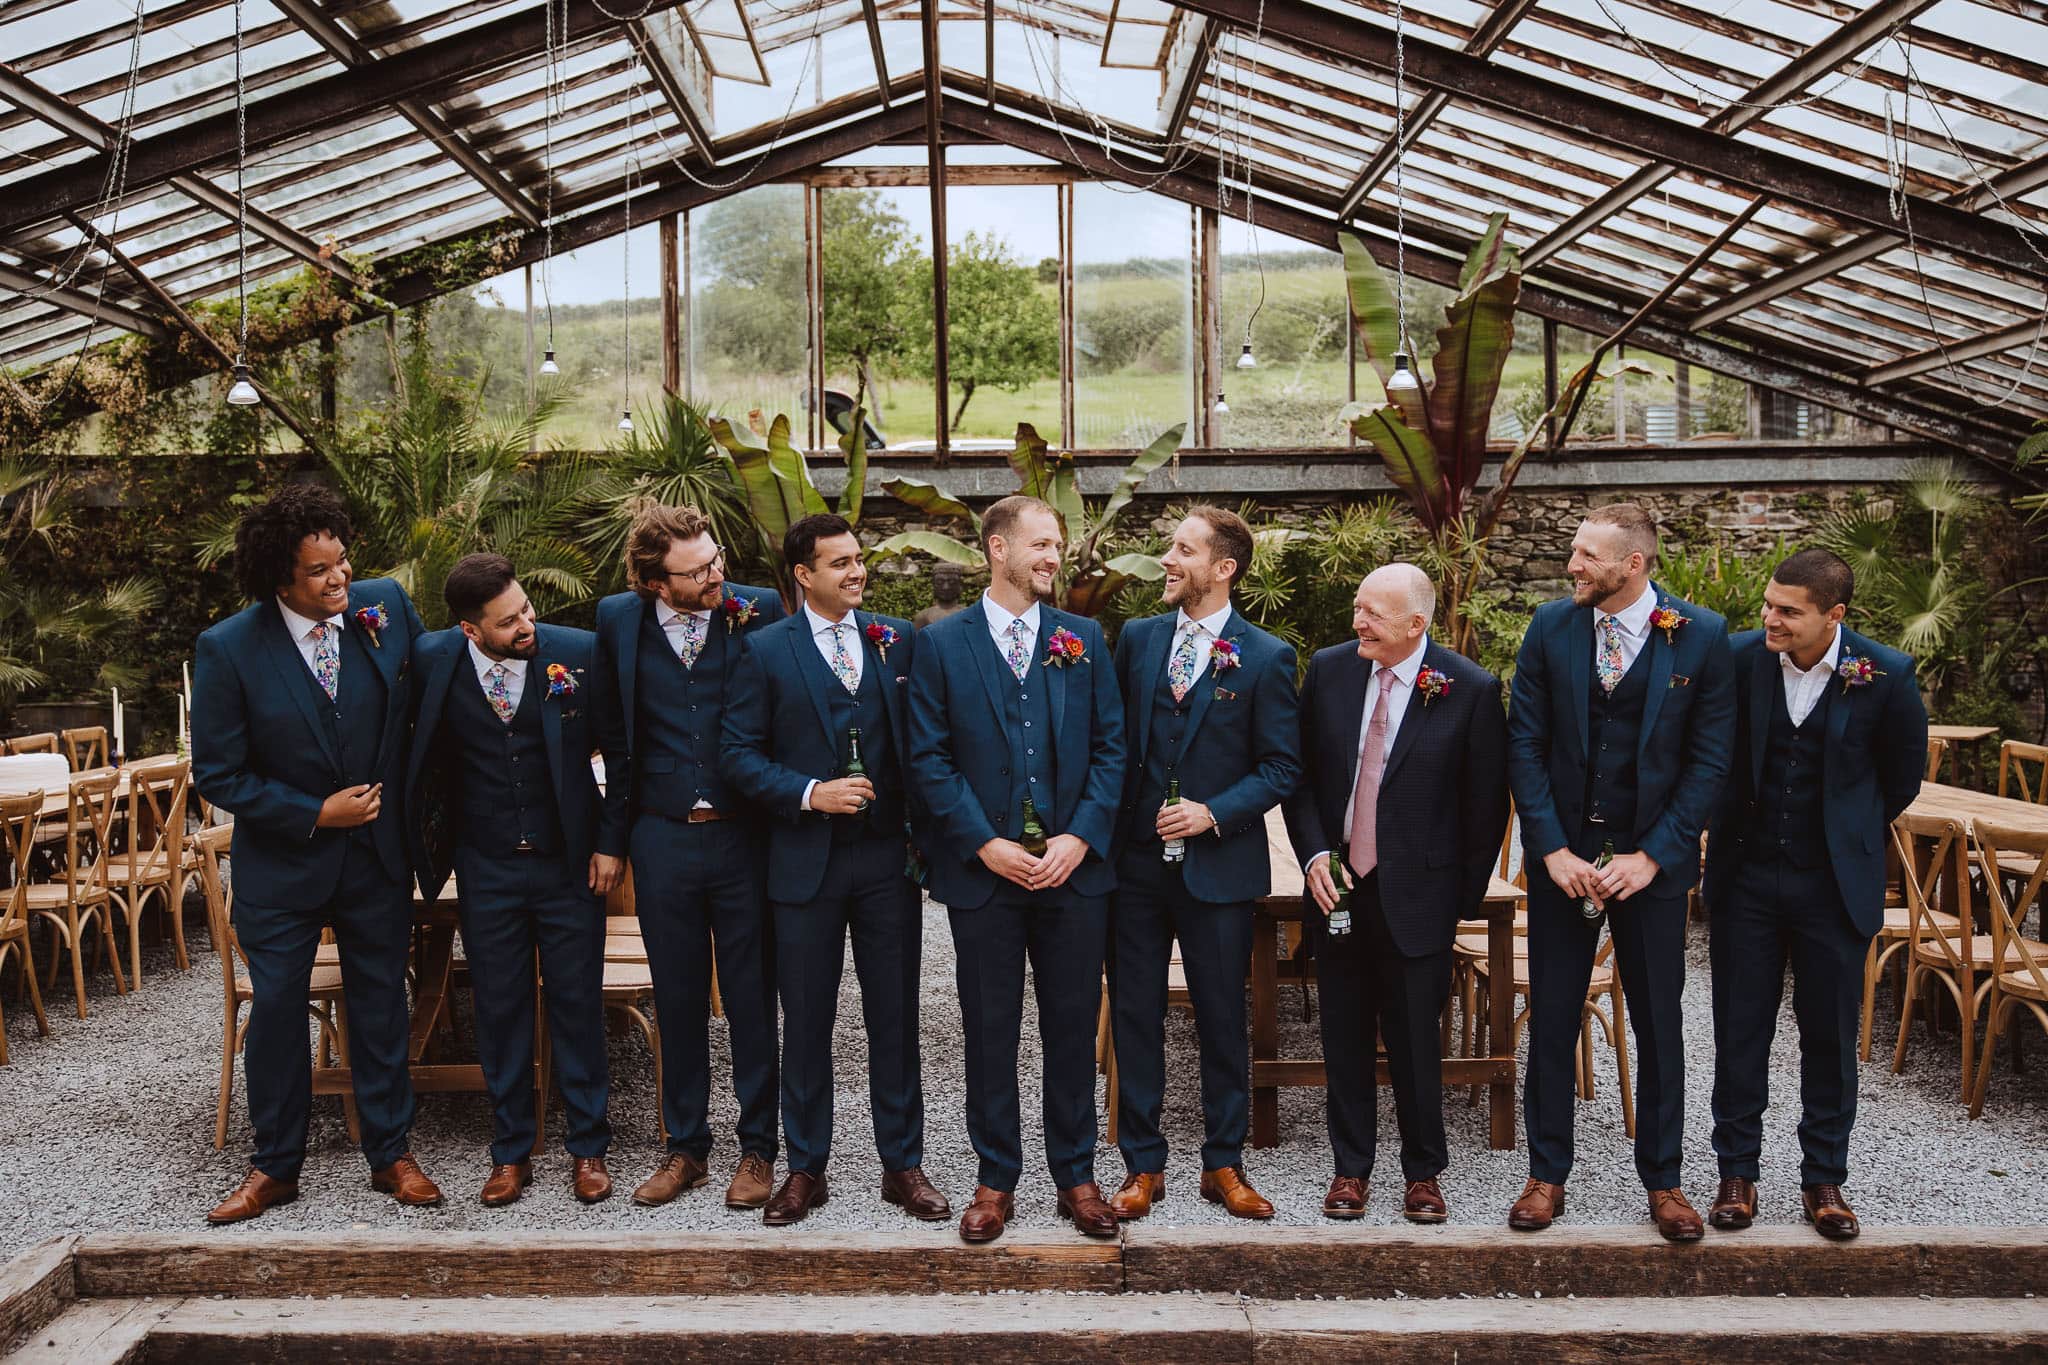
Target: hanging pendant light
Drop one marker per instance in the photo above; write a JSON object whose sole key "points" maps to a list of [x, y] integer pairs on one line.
{"points": [[1245, 359], [1403, 380], [547, 362], [625, 419], [1222, 409], [243, 394]]}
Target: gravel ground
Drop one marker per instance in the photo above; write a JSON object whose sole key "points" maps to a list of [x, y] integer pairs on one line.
{"points": [[108, 1125]]}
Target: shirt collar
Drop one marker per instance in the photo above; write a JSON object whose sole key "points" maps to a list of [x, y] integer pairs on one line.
{"points": [[299, 626], [666, 615], [1635, 617], [819, 625], [1000, 616], [1213, 622], [1830, 659], [515, 668], [1412, 665]]}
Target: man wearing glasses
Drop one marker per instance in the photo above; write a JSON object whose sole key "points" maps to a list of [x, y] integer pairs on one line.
{"points": [[665, 657]]}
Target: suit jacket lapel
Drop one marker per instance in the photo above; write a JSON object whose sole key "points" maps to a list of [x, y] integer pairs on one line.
{"points": [[1838, 705], [1662, 652], [1411, 717], [1347, 699], [297, 679], [1151, 675], [882, 671], [1763, 675], [815, 679], [386, 660], [1579, 661], [432, 700], [988, 660], [1204, 691], [550, 711], [1055, 687], [628, 654]]}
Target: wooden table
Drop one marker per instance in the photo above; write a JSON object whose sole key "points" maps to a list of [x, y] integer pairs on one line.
{"points": [[1961, 803], [1957, 736], [1270, 1071]]}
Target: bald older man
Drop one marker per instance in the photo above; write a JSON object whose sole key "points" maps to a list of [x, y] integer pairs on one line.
{"points": [[1406, 749]]}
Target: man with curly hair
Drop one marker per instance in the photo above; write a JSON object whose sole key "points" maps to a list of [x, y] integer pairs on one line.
{"points": [[299, 714]]}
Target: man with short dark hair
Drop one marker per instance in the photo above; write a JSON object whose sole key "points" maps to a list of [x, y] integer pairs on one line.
{"points": [[1214, 744], [1830, 742], [1016, 739], [818, 689], [299, 709], [501, 726], [667, 648]]}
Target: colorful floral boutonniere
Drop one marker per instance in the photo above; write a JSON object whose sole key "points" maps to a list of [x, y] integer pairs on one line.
{"points": [[881, 637], [1224, 655], [1064, 648], [373, 619], [739, 612], [1669, 621], [561, 683], [1432, 684], [1857, 671]]}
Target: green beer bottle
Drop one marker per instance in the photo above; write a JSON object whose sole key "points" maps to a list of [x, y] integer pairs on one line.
{"points": [[1588, 907], [1339, 922], [1174, 850], [1033, 838], [854, 766]]}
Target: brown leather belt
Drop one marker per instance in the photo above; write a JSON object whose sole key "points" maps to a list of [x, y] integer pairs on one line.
{"points": [[703, 814]]}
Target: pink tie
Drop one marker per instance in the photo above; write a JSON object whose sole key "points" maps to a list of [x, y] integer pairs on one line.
{"points": [[1365, 797]]}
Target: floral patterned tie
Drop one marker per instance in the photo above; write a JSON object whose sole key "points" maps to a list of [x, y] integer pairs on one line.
{"points": [[1018, 652], [693, 639], [842, 662], [326, 659], [1613, 664], [1180, 669], [499, 690]]}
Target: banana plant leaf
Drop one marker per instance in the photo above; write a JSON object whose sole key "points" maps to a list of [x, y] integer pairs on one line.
{"points": [[1140, 469], [1410, 460], [930, 499], [1028, 461], [853, 444], [1048, 474], [1471, 355], [932, 543], [1490, 253], [1374, 313], [775, 478], [1496, 497]]}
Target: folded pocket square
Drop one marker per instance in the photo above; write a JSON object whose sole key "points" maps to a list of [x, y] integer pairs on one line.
{"points": [[1680, 680], [1225, 694]]}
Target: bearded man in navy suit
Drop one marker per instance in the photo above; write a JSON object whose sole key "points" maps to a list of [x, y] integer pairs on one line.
{"points": [[1830, 745], [1620, 728], [812, 685], [1016, 731], [300, 706], [1210, 707]]}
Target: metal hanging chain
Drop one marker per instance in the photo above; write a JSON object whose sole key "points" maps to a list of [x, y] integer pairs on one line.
{"points": [[626, 262], [549, 95], [241, 199], [1400, 187], [811, 47]]}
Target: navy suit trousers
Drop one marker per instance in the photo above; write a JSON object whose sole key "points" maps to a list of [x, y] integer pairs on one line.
{"points": [[372, 919], [1774, 913], [1152, 909], [696, 885], [511, 906], [865, 894], [1649, 951], [1062, 934]]}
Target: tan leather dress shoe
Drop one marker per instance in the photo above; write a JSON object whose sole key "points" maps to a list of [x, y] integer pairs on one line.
{"points": [[1136, 1196], [914, 1193], [1677, 1220], [506, 1183], [256, 1193], [405, 1182], [1090, 1212], [1734, 1206], [752, 1183], [1829, 1213], [1346, 1198], [800, 1193], [591, 1182], [1539, 1206], [677, 1172], [1228, 1187], [987, 1214], [1424, 1202]]}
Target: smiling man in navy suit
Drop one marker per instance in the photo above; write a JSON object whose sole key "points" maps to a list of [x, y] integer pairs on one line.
{"points": [[1017, 735], [299, 730], [1407, 785], [809, 686], [1210, 706], [661, 677], [1830, 744], [1620, 728], [500, 717]]}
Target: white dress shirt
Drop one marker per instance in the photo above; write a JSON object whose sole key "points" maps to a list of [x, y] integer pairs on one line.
{"points": [[821, 635], [1210, 630], [1402, 675], [301, 631], [515, 673], [1804, 686], [999, 618], [1635, 629], [671, 622]]}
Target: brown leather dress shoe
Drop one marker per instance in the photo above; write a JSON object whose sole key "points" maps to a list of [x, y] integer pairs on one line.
{"points": [[986, 1215], [1734, 1206], [506, 1183], [752, 1183], [1829, 1213], [677, 1172], [1539, 1206], [591, 1183], [1424, 1202], [404, 1181], [256, 1193], [1090, 1212], [1228, 1187], [1346, 1198], [800, 1193], [915, 1194], [1677, 1220], [1136, 1196]]}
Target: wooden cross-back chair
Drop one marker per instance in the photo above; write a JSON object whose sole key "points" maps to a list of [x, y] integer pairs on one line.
{"points": [[153, 864], [43, 743], [1946, 950], [2023, 771], [1923, 848], [19, 816], [2019, 974], [78, 897], [85, 747], [1937, 749]]}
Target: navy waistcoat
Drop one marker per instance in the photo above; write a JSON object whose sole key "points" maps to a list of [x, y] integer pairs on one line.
{"points": [[508, 795], [1786, 820], [675, 762], [1616, 726]]}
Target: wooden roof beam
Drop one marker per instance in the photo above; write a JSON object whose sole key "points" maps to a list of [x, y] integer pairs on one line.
{"points": [[1956, 352], [81, 303], [1186, 69]]}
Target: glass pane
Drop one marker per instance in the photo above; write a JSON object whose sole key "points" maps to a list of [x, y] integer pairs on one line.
{"points": [[1134, 306], [1288, 301], [748, 330], [878, 310], [590, 333], [1003, 312]]}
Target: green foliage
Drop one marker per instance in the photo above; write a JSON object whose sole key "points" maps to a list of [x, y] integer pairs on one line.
{"points": [[669, 458], [1002, 329], [1717, 578]]}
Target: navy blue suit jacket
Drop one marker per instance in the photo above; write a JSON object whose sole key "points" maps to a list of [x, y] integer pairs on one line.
{"points": [[588, 826], [1682, 753], [1443, 803], [261, 751], [1872, 765], [779, 736], [1240, 756], [615, 672], [961, 757]]}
